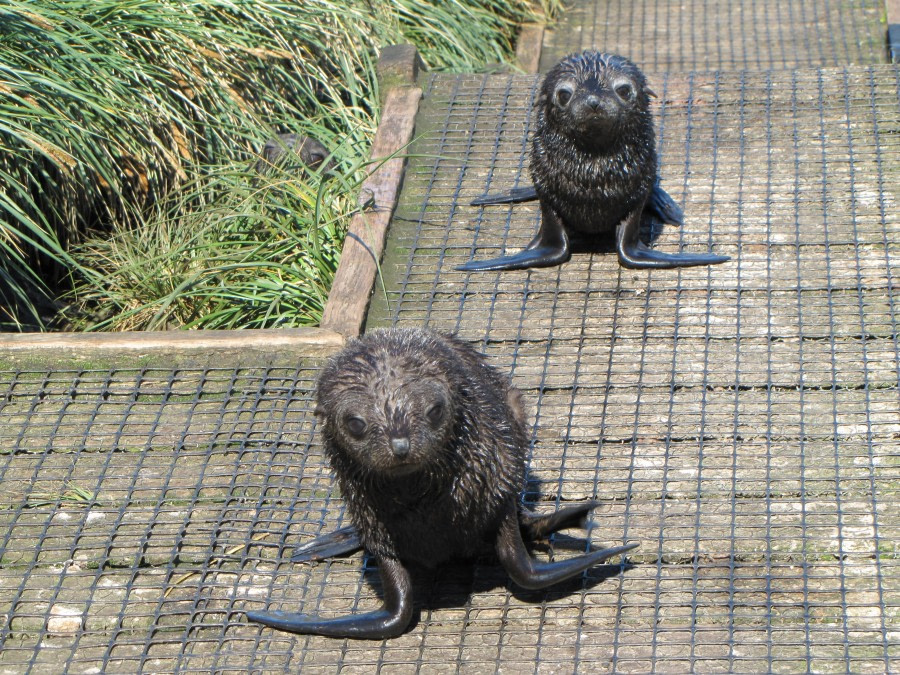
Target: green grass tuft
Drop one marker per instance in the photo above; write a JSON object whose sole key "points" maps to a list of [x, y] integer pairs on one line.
{"points": [[127, 133]]}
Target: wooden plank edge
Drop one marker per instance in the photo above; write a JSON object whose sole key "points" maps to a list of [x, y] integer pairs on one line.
{"points": [[892, 11], [528, 47], [171, 349], [893, 38], [357, 271], [892, 18], [398, 66], [272, 338]]}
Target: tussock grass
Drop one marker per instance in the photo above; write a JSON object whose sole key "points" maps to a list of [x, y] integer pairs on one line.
{"points": [[128, 129], [261, 252]]}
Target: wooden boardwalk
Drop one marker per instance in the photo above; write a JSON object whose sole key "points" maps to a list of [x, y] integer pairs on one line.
{"points": [[698, 35], [741, 422]]}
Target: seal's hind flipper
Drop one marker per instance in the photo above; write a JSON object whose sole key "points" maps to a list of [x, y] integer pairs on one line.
{"points": [[549, 248], [533, 574], [340, 542], [527, 259], [535, 526], [513, 196], [389, 621], [635, 254], [530, 573], [662, 207]]}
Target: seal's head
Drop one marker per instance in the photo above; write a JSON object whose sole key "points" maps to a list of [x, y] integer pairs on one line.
{"points": [[388, 403], [593, 98], [286, 149]]}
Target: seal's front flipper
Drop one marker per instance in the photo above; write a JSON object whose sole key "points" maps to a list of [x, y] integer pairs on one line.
{"points": [[549, 248], [530, 573], [662, 207], [527, 259], [635, 254], [513, 196], [535, 526], [340, 542], [389, 621]]}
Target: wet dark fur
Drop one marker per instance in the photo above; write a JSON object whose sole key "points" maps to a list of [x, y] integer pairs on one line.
{"points": [[428, 445], [310, 152], [447, 497], [594, 174]]}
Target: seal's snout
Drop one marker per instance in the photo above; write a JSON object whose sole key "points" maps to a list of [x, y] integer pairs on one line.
{"points": [[592, 109], [593, 102], [400, 447]]}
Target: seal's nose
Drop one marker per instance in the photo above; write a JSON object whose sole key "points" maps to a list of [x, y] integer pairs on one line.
{"points": [[593, 102], [400, 446]]}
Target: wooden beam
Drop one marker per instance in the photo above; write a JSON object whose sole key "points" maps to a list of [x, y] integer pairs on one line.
{"points": [[354, 280], [892, 12], [398, 66], [174, 339], [892, 7], [528, 46]]}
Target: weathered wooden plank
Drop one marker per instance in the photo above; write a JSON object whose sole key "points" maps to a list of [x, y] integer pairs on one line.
{"points": [[398, 66], [361, 255], [174, 340], [685, 35], [892, 10], [528, 47], [174, 348]]}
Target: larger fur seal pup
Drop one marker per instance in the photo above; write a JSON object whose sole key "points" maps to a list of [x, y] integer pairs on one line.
{"points": [[593, 163], [428, 444]]}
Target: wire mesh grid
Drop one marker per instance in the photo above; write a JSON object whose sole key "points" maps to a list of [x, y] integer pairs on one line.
{"points": [[741, 422], [690, 35], [143, 509]]}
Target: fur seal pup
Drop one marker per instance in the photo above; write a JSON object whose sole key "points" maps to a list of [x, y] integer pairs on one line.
{"points": [[428, 444], [593, 163], [309, 151]]}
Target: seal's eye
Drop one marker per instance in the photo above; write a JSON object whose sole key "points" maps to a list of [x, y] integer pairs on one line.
{"points": [[356, 426], [625, 92], [435, 413], [563, 96]]}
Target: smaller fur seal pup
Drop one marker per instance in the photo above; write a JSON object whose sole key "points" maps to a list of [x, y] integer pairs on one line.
{"points": [[308, 150], [428, 444], [593, 163]]}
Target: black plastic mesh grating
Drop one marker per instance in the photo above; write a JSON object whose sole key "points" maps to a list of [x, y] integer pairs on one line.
{"points": [[137, 508], [741, 422], [692, 35]]}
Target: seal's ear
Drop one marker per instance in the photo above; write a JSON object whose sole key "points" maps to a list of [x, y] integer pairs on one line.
{"points": [[650, 92]]}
